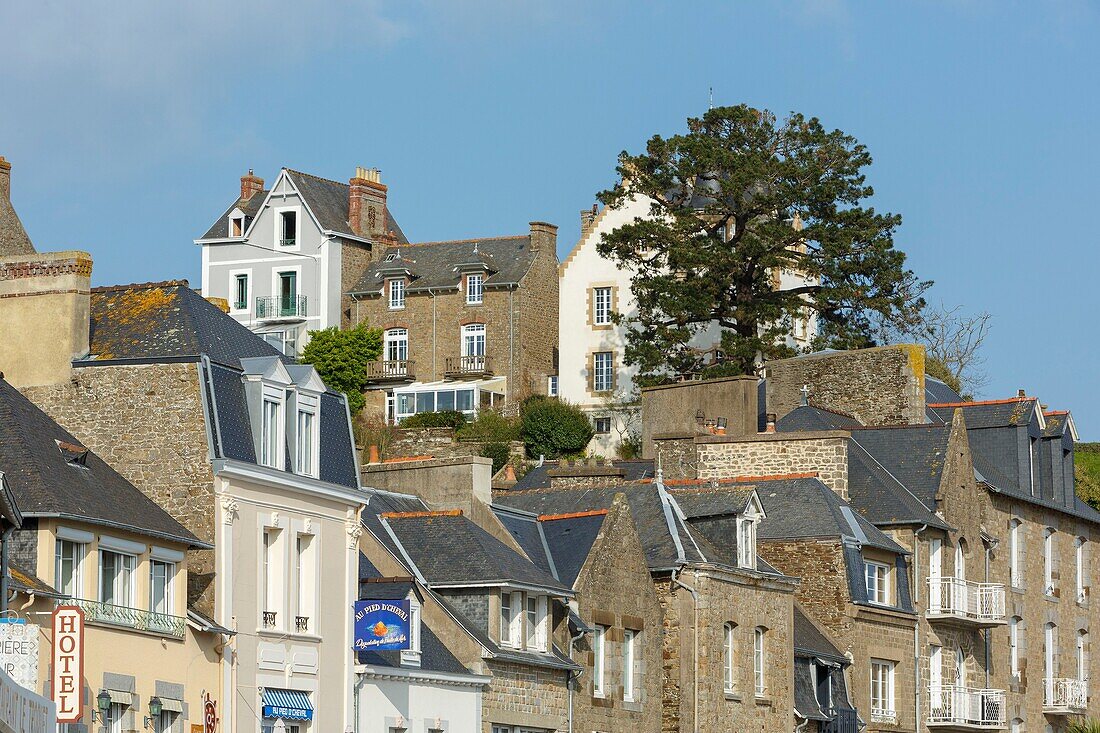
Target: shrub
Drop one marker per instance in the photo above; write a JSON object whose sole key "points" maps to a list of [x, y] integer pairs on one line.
{"points": [[490, 427], [630, 447], [499, 452], [341, 358], [441, 419], [554, 428]]}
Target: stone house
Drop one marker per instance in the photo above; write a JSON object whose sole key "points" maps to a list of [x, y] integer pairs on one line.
{"points": [[500, 615], [727, 616], [283, 257], [599, 553], [820, 689], [206, 419], [466, 324], [90, 539]]}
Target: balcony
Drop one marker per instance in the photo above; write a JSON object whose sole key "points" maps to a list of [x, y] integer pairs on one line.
{"points": [[840, 721], [286, 308], [391, 371], [96, 612], [951, 707], [467, 367], [980, 605], [1063, 696]]}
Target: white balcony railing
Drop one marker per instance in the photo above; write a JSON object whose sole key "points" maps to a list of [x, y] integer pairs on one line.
{"points": [[966, 600], [951, 705], [1064, 695]]}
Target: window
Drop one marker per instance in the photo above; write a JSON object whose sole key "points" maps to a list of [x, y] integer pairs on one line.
{"points": [[882, 691], [160, 586], [115, 715], [552, 385], [269, 432], [1048, 561], [1079, 551], [601, 306], [510, 608], [1014, 646], [306, 436], [1031, 463], [758, 660], [602, 425], [1082, 654], [1015, 550], [603, 375], [629, 635], [68, 576], [473, 340], [288, 305], [474, 289], [236, 226], [397, 344], [746, 542], [727, 656], [285, 341], [116, 578], [397, 293], [304, 584], [960, 559], [1050, 655], [163, 722], [935, 669], [288, 228], [269, 583], [240, 299], [878, 578], [536, 623], [598, 644], [411, 656]]}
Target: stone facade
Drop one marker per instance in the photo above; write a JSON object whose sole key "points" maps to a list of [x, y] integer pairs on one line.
{"points": [[147, 422], [880, 386], [437, 443], [676, 408], [354, 258], [614, 589], [763, 454], [525, 695]]}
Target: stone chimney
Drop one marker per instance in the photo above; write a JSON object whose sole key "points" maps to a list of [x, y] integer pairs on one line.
{"points": [[45, 302], [13, 237], [588, 217], [367, 203], [251, 185], [544, 235]]}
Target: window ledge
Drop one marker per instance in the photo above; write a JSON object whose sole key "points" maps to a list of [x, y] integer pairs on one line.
{"points": [[732, 696], [764, 700]]}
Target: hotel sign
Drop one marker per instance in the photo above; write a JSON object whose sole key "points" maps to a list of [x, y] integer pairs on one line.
{"points": [[19, 651], [381, 625], [68, 663]]}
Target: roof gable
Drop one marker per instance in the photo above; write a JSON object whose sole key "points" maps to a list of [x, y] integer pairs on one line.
{"points": [[506, 261]]}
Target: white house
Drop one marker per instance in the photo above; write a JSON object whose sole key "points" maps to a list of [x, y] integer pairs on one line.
{"points": [[592, 371], [284, 257]]}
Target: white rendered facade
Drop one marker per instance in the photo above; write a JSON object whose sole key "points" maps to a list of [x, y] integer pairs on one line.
{"points": [[585, 339]]}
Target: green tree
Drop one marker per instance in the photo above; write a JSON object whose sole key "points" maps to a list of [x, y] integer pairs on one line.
{"points": [[739, 198], [341, 358], [554, 428]]}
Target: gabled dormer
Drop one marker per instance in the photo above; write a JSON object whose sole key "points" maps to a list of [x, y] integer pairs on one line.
{"points": [[748, 521], [284, 406]]}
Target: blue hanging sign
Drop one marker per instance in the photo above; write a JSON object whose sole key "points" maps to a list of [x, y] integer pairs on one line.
{"points": [[381, 625]]}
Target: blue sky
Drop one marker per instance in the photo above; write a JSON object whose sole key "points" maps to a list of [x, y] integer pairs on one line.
{"points": [[129, 124]]}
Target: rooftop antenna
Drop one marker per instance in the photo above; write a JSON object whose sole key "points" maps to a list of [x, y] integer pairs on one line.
{"points": [[711, 105]]}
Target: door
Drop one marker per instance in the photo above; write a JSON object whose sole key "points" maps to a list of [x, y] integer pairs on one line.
{"points": [[935, 573], [288, 293]]}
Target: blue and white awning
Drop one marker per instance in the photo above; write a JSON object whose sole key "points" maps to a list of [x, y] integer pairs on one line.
{"points": [[286, 704]]}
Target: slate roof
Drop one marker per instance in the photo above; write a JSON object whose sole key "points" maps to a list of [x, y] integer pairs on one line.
{"points": [[27, 582], [880, 497], [437, 264], [220, 228], [327, 199], [165, 321], [13, 237], [451, 550], [809, 639], [1056, 423], [989, 413], [527, 532], [52, 475], [538, 477], [809, 417], [938, 391], [915, 455], [570, 540], [231, 428]]}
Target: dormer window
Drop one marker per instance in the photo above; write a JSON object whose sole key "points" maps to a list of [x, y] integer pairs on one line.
{"points": [[272, 428], [396, 287], [411, 656], [474, 289], [288, 228], [391, 257], [746, 542], [878, 582], [306, 436], [236, 226]]}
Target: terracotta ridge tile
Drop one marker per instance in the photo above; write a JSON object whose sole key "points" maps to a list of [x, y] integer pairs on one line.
{"points": [[142, 286], [572, 515], [979, 402], [420, 515]]}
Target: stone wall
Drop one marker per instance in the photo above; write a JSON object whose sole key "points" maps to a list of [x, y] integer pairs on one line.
{"points": [[355, 257], [537, 312], [880, 386], [147, 422], [825, 453], [673, 408], [525, 695], [676, 456], [437, 443]]}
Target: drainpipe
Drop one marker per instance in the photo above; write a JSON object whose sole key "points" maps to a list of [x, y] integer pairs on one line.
{"points": [[5, 571], [916, 628], [695, 650], [511, 345], [359, 677], [985, 632], [572, 678], [435, 374]]}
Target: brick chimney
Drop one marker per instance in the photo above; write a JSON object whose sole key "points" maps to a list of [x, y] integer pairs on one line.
{"points": [[367, 203], [544, 235], [588, 216], [251, 185]]}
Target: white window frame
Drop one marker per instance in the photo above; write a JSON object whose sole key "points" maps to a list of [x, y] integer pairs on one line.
{"points": [[882, 677], [1014, 646], [395, 293], [629, 638], [475, 289], [1082, 654], [307, 452], [511, 623], [759, 660], [599, 662], [603, 375], [273, 428], [395, 343], [1079, 551], [601, 306], [123, 585], [746, 542], [876, 576], [1015, 557], [234, 218], [272, 577], [169, 582], [411, 656], [598, 422], [247, 275], [552, 385], [79, 552], [1048, 561], [729, 630], [474, 342], [306, 581], [277, 243]]}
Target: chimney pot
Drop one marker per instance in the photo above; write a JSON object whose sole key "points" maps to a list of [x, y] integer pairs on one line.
{"points": [[770, 423], [367, 203], [1021, 393], [588, 216], [250, 185], [374, 455]]}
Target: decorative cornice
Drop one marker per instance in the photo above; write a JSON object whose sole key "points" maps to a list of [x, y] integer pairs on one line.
{"points": [[229, 509]]}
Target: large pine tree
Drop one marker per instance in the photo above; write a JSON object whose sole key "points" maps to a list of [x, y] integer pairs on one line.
{"points": [[739, 198]]}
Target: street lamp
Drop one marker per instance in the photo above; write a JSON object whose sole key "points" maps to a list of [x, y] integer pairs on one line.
{"points": [[155, 708], [103, 702]]}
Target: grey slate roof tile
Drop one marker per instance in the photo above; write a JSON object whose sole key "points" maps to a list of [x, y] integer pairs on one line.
{"points": [[880, 497], [809, 638], [809, 417], [538, 477], [570, 541], [328, 200], [915, 455], [75, 482], [220, 228]]}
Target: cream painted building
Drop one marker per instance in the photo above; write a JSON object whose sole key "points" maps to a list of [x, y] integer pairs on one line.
{"points": [[592, 371]]}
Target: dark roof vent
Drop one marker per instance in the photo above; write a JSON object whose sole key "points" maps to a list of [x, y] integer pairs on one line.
{"points": [[74, 454]]}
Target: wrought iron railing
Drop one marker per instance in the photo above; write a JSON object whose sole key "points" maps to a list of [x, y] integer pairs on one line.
{"points": [[281, 306], [841, 721], [955, 705], [391, 369], [458, 365], [301, 624], [132, 618], [1064, 694], [287, 242], [964, 599], [883, 715], [269, 619]]}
